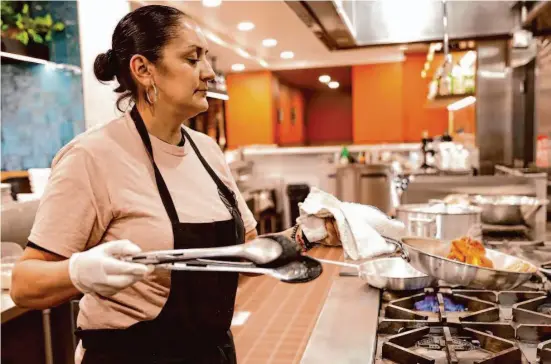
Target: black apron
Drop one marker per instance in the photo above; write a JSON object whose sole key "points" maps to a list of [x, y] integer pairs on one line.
{"points": [[194, 324]]}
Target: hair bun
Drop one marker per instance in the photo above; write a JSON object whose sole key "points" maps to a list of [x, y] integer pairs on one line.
{"points": [[105, 66]]}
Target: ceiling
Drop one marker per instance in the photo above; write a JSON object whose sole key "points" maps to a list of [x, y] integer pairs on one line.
{"points": [[309, 78], [272, 19]]}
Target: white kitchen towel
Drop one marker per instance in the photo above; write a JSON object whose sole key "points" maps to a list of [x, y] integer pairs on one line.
{"points": [[361, 227]]}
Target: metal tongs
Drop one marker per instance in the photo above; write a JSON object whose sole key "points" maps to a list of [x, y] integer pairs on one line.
{"points": [[259, 251]]}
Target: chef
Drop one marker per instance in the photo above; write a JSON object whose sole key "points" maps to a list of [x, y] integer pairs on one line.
{"points": [[139, 183]]}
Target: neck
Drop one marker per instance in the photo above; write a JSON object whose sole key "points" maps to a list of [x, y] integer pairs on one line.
{"points": [[162, 122]]}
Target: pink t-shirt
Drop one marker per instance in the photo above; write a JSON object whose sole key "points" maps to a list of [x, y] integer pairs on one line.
{"points": [[102, 188]]}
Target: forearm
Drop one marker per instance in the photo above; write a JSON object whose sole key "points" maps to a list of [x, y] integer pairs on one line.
{"points": [[41, 284]]}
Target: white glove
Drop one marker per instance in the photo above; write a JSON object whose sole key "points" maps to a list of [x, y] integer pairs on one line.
{"points": [[313, 227], [99, 270]]}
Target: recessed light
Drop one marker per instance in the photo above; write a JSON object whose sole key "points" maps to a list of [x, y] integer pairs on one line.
{"points": [[245, 26], [287, 55], [324, 78], [238, 67], [211, 3], [333, 84], [269, 42], [243, 53]]}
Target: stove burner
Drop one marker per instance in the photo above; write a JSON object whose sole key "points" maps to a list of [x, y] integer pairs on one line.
{"points": [[439, 343], [430, 304]]}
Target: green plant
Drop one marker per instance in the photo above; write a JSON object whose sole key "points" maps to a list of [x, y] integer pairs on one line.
{"points": [[18, 23]]}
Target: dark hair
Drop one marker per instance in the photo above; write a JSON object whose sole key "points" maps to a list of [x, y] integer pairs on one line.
{"points": [[144, 31]]}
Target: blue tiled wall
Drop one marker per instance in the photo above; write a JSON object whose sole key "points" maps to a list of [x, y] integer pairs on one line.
{"points": [[42, 108]]}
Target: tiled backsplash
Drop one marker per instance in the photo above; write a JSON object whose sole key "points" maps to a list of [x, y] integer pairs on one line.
{"points": [[42, 107]]}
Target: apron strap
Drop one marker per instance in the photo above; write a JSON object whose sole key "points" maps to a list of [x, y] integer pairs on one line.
{"points": [[161, 185]]}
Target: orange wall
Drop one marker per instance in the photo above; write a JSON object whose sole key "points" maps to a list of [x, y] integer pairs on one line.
{"points": [[377, 103], [290, 132], [417, 116], [329, 118], [465, 118], [250, 110]]}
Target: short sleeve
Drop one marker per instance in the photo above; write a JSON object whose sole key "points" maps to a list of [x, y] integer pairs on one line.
{"points": [[75, 209]]}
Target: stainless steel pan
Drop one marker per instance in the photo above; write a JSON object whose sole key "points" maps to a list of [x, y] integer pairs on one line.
{"points": [[389, 273], [429, 256]]}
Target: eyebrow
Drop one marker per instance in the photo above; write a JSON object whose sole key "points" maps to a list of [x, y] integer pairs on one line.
{"points": [[196, 48]]}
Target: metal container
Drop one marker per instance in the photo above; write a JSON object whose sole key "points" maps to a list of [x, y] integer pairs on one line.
{"points": [[507, 210], [367, 184], [440, 220]]}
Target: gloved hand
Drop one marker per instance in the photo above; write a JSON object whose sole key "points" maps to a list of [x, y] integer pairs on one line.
{"points": [[290, 250], [319, 230], [99, 271]]}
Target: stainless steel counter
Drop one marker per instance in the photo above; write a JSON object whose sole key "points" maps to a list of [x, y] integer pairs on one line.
{"points": [[344, 331], [9, 309]]}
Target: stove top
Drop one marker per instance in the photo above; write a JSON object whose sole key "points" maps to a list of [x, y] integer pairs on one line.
{"points": [[460, 326]]}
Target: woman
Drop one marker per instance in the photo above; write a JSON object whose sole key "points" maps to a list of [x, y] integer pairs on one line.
{"points": [[138, 183]]}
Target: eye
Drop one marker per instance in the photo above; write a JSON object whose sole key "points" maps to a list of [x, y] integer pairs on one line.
{"points": [[193, 61]]}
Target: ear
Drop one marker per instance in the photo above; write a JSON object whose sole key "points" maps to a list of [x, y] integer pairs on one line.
{"points": [[141, 70]]}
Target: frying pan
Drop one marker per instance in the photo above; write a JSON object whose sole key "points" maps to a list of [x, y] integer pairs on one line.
{"points": [[392, 273], [429, 256]]}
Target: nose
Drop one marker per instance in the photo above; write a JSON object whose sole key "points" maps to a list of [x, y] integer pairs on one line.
{"points": [[207, 73]]}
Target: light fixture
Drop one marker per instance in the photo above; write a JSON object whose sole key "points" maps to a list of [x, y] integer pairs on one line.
{"points": [[214, 38], [263, 63], [242, 53], [469, 100], [427, 66], [238, 67], [324, 78], [217, 95], [424, 74], [269, 42], [287, 55], [245, 26], [333, 84], [403, 47], [211, 3]]}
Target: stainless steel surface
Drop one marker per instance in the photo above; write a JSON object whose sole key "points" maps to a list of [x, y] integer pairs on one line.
{"points": [[368, 184], [345, 330], [17, 221], [507, 209], [428, 256], [439, 220], [48, 351], [9, 309], [259, 250], [300, 271], [493, 105], [388, 273]]}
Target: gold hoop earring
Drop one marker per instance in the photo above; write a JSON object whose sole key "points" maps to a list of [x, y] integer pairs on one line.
{"points": [[155, 92]]}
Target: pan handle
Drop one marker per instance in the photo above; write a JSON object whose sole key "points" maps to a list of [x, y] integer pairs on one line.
{"points": [[399, 247]]}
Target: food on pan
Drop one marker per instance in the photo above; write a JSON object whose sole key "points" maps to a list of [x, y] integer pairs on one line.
{"points": [[520, 267], [470, 251]]}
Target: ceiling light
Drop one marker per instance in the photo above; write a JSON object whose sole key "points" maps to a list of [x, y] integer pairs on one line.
{"points": [[468, 59], [333, 84], [403, 47], [287, 55], [263, 63], [211, 3], [269, 42], [242, 53], [245, 26], [324, 78], [238, 67]]}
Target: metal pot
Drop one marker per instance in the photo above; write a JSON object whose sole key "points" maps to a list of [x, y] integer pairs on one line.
{"points": [[440, 220], [507, 210]]}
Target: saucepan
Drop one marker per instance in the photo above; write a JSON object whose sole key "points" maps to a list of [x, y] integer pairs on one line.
{"points": [[392, 273], [508, 210], [429, 256]]}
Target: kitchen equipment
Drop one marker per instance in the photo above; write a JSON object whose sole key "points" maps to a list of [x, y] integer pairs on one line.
{"points": [[428, 256], [507, 209], [303, 270], [367, 184], [438, 219], [259, 250], [6, 195], [391, 273]]}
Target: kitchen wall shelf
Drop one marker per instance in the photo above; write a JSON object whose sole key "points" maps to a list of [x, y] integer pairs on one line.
{"points": [[444, 101]]}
